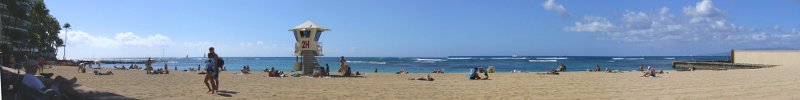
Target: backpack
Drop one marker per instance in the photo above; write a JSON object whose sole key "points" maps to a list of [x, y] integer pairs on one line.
{"points": [[221, 62]]}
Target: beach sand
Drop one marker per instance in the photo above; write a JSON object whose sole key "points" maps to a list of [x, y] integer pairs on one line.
{"points": [[769, 83]]}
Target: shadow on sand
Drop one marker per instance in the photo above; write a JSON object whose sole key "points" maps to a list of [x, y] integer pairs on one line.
{"points": [[226, 93]]}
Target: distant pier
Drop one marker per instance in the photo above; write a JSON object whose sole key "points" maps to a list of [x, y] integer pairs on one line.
{"points": [[714, 65]]}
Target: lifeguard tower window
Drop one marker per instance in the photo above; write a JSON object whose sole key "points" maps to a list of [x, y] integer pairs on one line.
{"points": [[305, 34], [317, 37]]}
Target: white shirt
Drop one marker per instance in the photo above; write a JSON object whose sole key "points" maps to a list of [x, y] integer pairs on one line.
{"points": [[32, 81]]}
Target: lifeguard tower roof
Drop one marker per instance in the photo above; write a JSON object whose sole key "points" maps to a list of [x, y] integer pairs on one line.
{"points": [[308, 24]]}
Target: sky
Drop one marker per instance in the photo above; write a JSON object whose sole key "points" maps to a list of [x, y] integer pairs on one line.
{"points": [[426, 28]]}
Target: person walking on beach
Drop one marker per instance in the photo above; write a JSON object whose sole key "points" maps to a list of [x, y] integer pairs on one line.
{"points": [[342, 64], [216, 68], [208, 80], [41, 63]]}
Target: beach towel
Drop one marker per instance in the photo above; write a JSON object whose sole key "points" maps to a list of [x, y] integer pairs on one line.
{"points": [[471, 73]]}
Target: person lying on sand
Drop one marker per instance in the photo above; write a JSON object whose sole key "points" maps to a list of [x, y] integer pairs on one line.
{"points": [[427, 78], [106, 73], [551, 72]]}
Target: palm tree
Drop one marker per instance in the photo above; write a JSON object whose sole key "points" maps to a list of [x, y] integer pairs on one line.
{"points": [[66, 26]]}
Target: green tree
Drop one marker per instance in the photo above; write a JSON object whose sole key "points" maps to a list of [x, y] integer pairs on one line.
{"points": [[44, 30]]}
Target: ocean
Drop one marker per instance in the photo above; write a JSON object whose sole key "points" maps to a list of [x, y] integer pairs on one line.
{"points": [[448, 64]]}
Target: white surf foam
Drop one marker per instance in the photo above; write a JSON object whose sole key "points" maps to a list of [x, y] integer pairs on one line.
{"points": [[554, 58], [367, 62], [546, 60]]}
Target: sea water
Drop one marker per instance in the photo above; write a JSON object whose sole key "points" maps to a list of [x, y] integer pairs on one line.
{"points": [[448, 64]]}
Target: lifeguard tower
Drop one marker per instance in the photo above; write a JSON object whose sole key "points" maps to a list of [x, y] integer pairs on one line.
{"points": [[307, 46]]}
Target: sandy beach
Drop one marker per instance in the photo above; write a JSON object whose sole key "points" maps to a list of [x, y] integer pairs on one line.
{"points": [[768, 83]]}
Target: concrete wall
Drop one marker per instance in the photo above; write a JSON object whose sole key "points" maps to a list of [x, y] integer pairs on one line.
{"points": [[771, 57]]}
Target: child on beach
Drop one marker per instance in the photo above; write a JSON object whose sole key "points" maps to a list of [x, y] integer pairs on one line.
{"points": [[209, 69]]}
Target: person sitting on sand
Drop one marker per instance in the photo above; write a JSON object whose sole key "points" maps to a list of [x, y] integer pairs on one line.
{"points": [[473, 74], [273, 72], [402, 71], [441, 71], [486, 75], [316, 74], [60, 85], [347, 72], [597, 68], [245, 70], [562, 68], [650, 72], [426, 78], [29, 79]]}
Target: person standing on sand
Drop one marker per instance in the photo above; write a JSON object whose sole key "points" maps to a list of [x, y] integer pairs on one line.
{"points": [[641, 66], [166, 68], [217, 66], [41, 63], [342, 64], [149, 65]]}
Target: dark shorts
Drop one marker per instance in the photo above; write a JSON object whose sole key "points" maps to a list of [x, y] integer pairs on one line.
{"points": [[215, 74]]}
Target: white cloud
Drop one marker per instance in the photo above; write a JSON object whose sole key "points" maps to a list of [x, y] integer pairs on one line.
{"points": [[703, 11], [251, 44], [790, 35], [125, 39], [701, 22], [551, 5], [592, 24]]}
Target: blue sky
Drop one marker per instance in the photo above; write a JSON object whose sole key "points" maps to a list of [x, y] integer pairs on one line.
{"points": [[427, 28]]}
